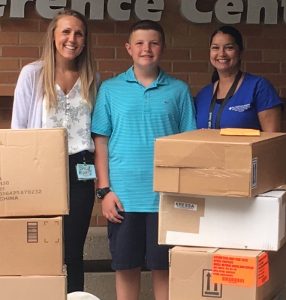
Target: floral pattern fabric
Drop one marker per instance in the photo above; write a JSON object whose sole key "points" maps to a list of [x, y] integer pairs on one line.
{"points": [[74, 114]]}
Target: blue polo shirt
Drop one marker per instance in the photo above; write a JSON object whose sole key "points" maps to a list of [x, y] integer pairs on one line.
{"points": [[254, 95], [133, 116]]}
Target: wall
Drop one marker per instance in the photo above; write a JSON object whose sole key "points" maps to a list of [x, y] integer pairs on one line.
{"points": [[186, 55]]}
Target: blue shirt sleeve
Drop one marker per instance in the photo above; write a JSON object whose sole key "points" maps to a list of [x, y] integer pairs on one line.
{"points": [[101, 120], [266, 96], [188, 115]]}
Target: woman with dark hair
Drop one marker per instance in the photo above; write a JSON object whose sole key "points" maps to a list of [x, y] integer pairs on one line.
{"points": [[235, 99]]}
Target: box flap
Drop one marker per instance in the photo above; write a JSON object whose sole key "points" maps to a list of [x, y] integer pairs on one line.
{"points": [[276, 193], [239, 252], [213, 135], [194, 249]]}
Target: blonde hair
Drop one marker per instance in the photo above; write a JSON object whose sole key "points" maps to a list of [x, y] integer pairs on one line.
{"points": [[84, 62]]}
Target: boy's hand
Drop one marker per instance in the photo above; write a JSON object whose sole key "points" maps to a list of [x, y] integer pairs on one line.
{"points": [[110, 207]]}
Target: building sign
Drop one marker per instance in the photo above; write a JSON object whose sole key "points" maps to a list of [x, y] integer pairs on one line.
{"points": [[225, 11], [119, 10], [231, 12]]}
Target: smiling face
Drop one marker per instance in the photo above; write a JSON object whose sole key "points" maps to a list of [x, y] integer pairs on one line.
{"points": [[145, 47], [69, 37], [225, 54]]}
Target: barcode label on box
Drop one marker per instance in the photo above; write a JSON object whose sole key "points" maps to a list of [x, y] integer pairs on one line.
{"points": [[32, 232], [186, 205], [254, 173]]}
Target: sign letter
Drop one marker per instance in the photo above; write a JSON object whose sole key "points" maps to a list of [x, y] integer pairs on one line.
{"points": [[190, 12], [151, 11], [254, 9], [96, 8], [44, 9], [2, 6], [17, 8], [229, 12], [116, 12]]}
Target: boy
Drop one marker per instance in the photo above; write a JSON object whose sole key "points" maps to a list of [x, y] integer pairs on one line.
{"points": [[132, 110]]}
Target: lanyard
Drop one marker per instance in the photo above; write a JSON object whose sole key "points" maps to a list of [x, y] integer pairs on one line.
{"points": [[226, 99]]}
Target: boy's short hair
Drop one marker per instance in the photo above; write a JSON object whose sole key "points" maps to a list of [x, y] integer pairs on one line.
{"points": [[148, 25]]}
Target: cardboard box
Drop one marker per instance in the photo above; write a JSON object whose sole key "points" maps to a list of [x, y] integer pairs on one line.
{"points": [[33, 172], [31, 246], [33, 287], [226, 274], [226, 222], [203, 162]]}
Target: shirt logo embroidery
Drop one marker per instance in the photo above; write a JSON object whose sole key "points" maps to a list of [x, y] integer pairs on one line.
{"points": [[240, 108]]}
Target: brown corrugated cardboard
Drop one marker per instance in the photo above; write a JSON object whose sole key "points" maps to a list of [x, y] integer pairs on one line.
{"points": [[31, 246], [33, 172], [203, 162], [240, 274], [226, 222], [33, 287]]}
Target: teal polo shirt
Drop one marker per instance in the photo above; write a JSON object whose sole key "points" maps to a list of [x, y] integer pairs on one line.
{"points": [[133, 116]]}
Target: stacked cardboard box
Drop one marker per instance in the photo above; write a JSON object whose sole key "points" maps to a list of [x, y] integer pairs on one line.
{"points": [[220, 192], [227, 274], [33, 199]]}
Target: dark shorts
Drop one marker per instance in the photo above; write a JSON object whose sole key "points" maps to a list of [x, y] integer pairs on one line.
{"points": [[134, 243]]}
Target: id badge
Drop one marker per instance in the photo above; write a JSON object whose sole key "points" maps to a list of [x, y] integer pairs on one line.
{"points": [[85, 172]]}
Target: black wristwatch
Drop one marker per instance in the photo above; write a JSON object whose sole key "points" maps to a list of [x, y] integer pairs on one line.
{"points": [[102, 192]]}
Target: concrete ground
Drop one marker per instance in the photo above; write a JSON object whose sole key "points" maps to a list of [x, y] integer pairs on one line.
{"points": [[99, 278], [102, 285]]}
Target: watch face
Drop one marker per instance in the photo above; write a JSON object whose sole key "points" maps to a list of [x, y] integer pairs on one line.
{"points": [[100, 193]]}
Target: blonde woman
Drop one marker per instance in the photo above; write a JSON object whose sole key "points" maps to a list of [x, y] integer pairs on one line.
{"points": [[58, 91]]}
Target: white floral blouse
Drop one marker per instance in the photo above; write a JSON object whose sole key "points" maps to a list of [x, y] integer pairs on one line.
{"points": [[74, 114]]}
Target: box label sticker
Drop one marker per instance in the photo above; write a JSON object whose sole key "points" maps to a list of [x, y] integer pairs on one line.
{"points": [[254, 173], [234, 270], [186, 205], [263, 269], [210, 289], [32, 232]]}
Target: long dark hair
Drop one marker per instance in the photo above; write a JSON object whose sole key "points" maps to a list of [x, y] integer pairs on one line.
{"points": [[235, 33]]}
